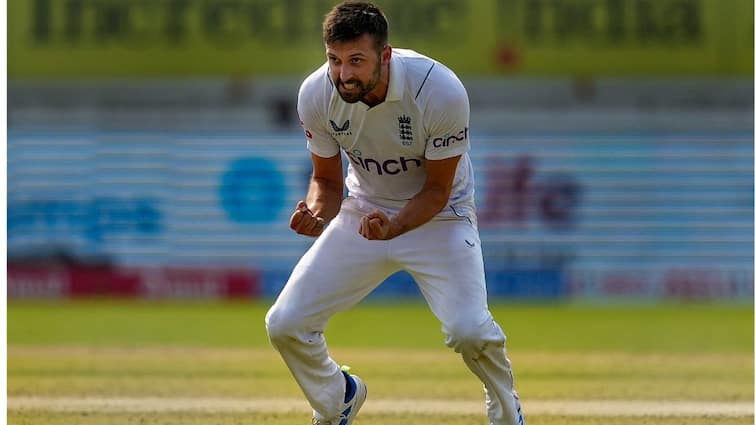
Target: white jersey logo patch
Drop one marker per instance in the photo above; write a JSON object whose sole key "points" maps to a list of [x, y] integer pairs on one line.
{"points": [[405, 130]]}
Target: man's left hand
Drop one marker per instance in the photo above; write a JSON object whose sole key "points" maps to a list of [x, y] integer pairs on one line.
{"points": [[377, 226]]}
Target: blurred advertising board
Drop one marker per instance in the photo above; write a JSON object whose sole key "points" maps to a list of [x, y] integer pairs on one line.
{"points": [[648, 215], [50, 280], [241, 38], [626, 37]]}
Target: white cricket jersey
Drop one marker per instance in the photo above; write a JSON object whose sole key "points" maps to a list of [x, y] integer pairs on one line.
{"points": [[425, 115]]}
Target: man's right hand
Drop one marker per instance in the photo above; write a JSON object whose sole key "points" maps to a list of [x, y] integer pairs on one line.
{"points": [[304, 222]]}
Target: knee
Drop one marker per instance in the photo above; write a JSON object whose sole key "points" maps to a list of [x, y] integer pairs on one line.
{"points": [[463, 334], [281, 323], [471, 336]]}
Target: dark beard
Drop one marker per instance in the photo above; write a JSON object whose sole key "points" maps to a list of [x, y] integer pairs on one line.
{"points": [[354, 98]]}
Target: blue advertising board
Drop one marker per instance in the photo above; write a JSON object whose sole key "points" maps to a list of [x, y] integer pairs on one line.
{"points": [[577, 215]]}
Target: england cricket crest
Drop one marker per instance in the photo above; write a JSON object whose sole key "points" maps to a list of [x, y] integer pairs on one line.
{"points": [[405, 130]]}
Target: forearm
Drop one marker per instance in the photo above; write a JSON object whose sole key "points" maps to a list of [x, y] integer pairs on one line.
{"points": [[324, 198], [421, 208]]}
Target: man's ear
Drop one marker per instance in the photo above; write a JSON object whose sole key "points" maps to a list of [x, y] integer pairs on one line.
{"points": [[386, 53]]}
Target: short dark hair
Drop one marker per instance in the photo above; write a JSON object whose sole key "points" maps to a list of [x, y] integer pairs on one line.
{"points": [[350, 20]]}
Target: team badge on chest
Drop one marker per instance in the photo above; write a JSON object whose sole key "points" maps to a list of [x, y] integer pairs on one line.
{"points": [[405, 130]]}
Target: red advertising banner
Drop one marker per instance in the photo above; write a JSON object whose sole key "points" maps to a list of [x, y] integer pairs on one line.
{"points": [[692, 283], [57, 281]]}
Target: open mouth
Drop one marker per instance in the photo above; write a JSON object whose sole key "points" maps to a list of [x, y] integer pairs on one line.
{"points": [[350, 86]]}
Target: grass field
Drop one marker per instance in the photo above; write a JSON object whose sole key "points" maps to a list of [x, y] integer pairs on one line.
{"points": [[109, 362]]}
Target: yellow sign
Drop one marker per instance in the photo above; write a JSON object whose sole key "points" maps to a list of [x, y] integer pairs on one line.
{"points": [[184, 38], [626, 37]]}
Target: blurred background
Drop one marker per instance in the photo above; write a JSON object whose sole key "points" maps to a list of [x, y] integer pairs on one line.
{"points": [[154, 150]]}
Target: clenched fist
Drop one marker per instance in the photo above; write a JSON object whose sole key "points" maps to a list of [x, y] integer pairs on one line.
{"points": [[377, 226], [304, 222]]}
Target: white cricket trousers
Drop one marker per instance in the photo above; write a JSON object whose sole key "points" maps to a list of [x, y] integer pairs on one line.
{"points": [[341, 268]]}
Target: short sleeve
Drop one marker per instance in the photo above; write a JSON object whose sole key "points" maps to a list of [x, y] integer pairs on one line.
{"points": [[310, 107], [447, 119]]}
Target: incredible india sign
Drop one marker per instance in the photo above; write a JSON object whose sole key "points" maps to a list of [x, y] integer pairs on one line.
{"points": [[186, 38]]}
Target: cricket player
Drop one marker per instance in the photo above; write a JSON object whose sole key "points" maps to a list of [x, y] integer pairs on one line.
{"points": [[402, 121]]}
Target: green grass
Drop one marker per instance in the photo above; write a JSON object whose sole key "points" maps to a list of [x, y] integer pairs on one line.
{"points": [[685, 328], [35, 417], [403, 373], [214, 349]]}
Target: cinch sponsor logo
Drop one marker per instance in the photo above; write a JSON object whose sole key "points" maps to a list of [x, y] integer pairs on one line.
{"points": [[448, 140], [389, 166]]}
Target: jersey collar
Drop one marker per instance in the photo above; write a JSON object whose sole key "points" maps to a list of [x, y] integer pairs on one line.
{"points": [[395, 80]]}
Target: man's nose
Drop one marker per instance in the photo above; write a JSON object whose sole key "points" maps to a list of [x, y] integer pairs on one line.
{"points": [[346, 73]]}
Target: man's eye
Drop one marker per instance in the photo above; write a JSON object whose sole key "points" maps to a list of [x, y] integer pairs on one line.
{"points": [[356, 60]]}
